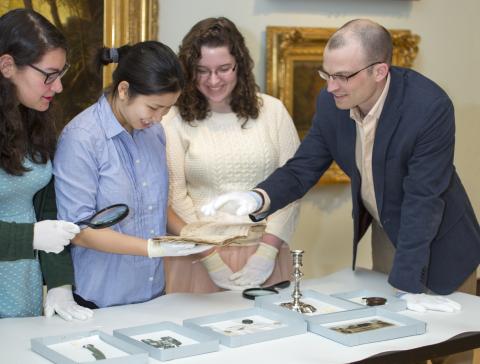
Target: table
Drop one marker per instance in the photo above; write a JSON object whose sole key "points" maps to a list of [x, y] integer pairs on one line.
{"points": [[446, 332]]}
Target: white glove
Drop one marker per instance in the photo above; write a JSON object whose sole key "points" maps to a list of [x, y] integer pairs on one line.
{"points": [[53, 235], [219, 272], [157, 249], [235, 203], [60, 300], [421, 302], [258, 268]]}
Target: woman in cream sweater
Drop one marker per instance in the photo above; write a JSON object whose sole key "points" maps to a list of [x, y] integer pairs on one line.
{"points": [[225, 136]]}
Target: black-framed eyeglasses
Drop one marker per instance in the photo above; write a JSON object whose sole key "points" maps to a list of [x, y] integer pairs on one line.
{"points": [[50, 77], [223, 71], [342, 78]]}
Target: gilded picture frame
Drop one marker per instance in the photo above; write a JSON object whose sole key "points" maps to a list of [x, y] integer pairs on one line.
{"points": [[88, 25], [294, 54], [128, 21]]}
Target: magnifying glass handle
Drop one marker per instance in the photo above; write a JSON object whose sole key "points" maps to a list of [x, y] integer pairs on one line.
{"points": [[283, 284]]}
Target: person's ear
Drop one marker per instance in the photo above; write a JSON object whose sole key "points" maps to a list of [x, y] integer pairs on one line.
{"points": [[7, 65], [122, 90], [381, 71]]}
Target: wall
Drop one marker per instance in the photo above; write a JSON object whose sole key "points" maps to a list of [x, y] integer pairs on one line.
{"points": [[449, 54]]}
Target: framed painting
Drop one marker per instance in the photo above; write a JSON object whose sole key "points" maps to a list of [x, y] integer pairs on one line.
{"points": [[87, 25], [294, 54]]}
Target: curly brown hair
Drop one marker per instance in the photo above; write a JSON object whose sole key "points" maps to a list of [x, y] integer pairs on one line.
{"points": [[26, 36], [217, 32]]}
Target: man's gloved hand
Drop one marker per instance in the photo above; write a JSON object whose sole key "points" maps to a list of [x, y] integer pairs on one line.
{"points": [[235, 203], [52, 236], [219, 272], [60, 300], [421, 302], [258, 268], [157, 249]]}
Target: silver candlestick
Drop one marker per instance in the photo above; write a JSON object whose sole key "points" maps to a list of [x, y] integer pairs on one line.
{"points": [[297, 274]]}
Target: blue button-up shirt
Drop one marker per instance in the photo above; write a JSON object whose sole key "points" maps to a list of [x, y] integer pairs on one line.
{"points": [[97, 164]]}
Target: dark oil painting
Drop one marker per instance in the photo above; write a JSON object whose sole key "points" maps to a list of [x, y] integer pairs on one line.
{"points": [[81, 21], [307, 84]]}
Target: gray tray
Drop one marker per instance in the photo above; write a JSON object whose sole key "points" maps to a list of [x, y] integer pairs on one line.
{"points": [[198, 343], [266, 325], [352, 326], [393, 303], [43, 346], [325, 304]]}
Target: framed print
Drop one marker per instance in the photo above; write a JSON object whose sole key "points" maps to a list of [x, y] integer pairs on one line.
{"points": [[167, 340], [88, 347], [365, 326], [250, 326], [367, 297], [294, 55]]}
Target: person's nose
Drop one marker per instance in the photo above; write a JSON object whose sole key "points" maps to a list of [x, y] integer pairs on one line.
{"points": [[57, 85], [213, 78], [332, 85], [158, 116]]}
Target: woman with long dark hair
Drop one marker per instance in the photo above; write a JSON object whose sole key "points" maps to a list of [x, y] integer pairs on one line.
{"points": [[32, 63]]}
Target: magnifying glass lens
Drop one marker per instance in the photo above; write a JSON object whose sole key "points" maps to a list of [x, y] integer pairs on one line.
{"points": [[108, 215], [261, 292], [252, 293]]}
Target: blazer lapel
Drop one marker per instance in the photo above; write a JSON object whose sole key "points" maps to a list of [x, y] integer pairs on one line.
{"points": [[387, 124]]}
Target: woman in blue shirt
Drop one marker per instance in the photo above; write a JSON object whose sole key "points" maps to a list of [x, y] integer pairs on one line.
{"points": [[114, 152]]}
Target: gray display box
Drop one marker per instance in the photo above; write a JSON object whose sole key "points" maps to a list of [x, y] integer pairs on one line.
{"points": [[266, 325], [325, 304], [394, 304], [198, 343], [351, 328], [46, 346]]}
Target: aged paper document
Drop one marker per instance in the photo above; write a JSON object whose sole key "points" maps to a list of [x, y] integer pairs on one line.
{"points": [[216, 233]]}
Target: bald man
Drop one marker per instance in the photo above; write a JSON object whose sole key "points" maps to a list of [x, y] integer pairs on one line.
{"points": [[392, 131]]}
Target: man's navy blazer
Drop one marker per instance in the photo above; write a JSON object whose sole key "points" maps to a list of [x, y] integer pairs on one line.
{"points": [[422, 204]]}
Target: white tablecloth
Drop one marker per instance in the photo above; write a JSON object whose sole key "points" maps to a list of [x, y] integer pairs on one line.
{"points": [[15, 333]]}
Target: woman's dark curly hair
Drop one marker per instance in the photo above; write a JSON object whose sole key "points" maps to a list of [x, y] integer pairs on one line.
{"points": [[26, 36], [217, 32]]}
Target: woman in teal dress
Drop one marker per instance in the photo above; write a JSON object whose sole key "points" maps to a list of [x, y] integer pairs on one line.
{"points": [[32, 63]]}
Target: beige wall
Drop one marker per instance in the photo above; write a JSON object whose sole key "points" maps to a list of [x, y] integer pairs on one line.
{"points": [[449, 54]]}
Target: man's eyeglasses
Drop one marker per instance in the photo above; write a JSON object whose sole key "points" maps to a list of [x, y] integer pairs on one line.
{"points": [[223, 71], [50, 77], [343, 79]]}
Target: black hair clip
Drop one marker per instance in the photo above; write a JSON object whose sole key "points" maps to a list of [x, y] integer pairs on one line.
{"points": [[113, 54]]}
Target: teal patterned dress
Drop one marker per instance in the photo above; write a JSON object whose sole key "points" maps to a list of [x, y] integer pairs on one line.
{"points": [[21, 280]]}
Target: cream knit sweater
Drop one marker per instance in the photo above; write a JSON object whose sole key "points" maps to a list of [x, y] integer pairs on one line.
{"points": [[215, 156]]}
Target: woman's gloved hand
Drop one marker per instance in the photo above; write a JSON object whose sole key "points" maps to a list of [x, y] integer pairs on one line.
{"points": [[52, 236], [157, 249], [259, 267], [219, 272], [60, 300]]}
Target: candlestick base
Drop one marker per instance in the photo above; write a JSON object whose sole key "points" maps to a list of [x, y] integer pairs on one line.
{"points": [[301, 307]]}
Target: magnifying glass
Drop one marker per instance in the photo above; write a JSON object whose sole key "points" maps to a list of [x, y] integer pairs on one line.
{"points": [[106, 217], [252, 293]]}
